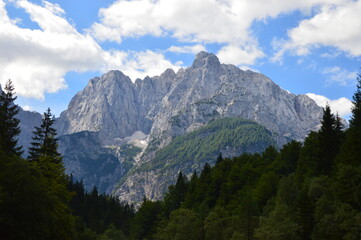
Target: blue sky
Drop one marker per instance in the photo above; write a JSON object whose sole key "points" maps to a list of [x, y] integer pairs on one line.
{"points": [[50, 49]]}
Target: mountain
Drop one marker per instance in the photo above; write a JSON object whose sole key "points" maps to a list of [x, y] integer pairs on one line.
{"points": [[190, 152], [112, 113], [28, 121], [88, 160]]}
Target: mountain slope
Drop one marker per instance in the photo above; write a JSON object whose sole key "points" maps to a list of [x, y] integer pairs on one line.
{"points": [[209, 90], [187, 153], [149, 113]]}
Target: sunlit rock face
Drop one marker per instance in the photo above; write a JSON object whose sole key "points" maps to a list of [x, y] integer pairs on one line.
{"points": [[169, 105]]}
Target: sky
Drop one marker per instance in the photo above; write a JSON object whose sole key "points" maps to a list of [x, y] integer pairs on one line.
{"points": [[50, 49]]}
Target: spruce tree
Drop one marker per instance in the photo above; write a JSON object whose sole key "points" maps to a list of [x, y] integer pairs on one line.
{"points": [[9, 124], [351, 149], [329, 140], [44, 156], [44, 140], [355, 121]]}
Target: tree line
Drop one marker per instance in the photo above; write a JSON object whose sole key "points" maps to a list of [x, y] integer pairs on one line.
{"points": [[304, 191], [37, 199], [309, 190]]}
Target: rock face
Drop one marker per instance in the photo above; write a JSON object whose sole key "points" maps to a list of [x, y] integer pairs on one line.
{"points": [[115, 107], [108, 105], [172, 104], [210, 90], [88, 160], [190, 152], [169, 105], [28, 121]]}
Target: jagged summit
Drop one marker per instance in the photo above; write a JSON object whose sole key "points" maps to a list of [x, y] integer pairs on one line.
{"points": [[116, 107], [204, 59], [162, 107], [168, 73]]}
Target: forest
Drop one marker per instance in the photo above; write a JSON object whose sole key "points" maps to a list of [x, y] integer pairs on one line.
{"points": [[308, 190]]}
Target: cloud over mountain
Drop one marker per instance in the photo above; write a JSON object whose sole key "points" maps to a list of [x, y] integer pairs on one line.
{"points": [[38, 59]]}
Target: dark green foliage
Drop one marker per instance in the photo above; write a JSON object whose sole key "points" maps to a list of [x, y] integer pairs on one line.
{"points": [[35, 201], [9, 124], [112, 233], [31, 206], [329, 140], [144, 225], [175, 196], [351, 150], [303, 191], [205, 144], [99, 212], [45, 142], [356, 109], [183, 224]]}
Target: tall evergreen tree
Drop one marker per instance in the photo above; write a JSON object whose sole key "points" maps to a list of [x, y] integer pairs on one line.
{"points": [[329, 140], [44, 156], [9, 124], [44, 140], [351, 149], [356, 109]]}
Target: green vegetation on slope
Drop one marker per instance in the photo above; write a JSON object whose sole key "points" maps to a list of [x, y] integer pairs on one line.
{"points": [[227, 135], [309, 190], [305, 191]]}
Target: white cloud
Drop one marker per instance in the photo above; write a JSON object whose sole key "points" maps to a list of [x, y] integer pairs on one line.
{"points": [[26, 108], [248, 68], [226, 22], [187, 49], [333, 54], [138, 64], [339, 76], [342, 106], [38, 59], [336, 25], [239, 54]]}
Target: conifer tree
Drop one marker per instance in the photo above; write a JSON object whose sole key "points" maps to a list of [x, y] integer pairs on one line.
{"points": [[44, 156], [356, 109], [329, 140], [44, 140], [351, 149], [9, 124]]}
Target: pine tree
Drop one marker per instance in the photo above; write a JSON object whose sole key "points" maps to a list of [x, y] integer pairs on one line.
{"points": [[44, 156], [9, 124], [329, 140], [356, 109], [44, 140], [351, 149]]}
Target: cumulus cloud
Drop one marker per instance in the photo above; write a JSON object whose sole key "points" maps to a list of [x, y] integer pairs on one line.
{"points": [[339, 76], [342, 106], [226, 22], [239, 54], [26, 108], [38, 59], [187, 49], [138, 64], [337, 24]]}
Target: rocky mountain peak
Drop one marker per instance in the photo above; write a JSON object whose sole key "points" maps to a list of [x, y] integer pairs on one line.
{"points": [[204, 59], [168, 73], [163, 107]]}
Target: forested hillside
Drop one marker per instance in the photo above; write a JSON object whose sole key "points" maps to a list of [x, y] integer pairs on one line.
{"points": [[309, 190]]}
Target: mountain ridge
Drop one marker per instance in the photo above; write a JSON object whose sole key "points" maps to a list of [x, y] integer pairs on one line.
{"points": [[173, 104]]}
